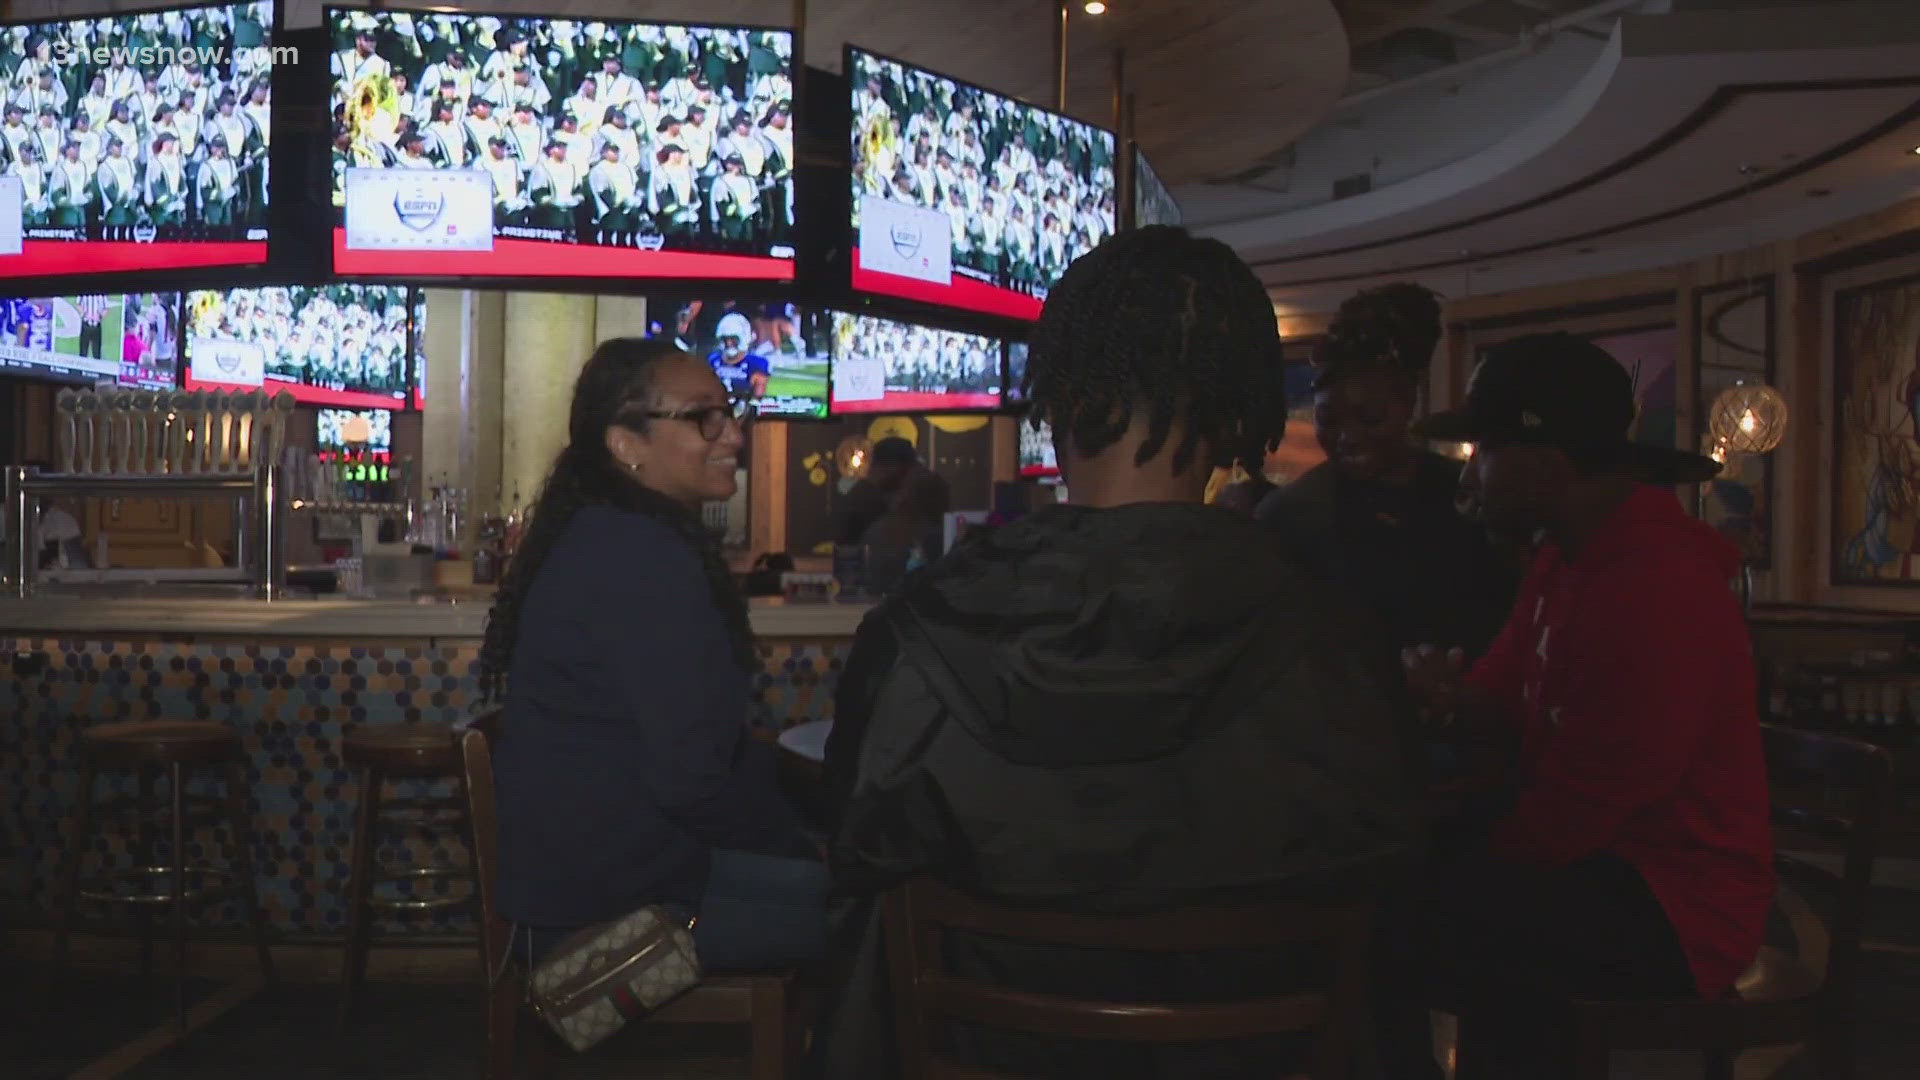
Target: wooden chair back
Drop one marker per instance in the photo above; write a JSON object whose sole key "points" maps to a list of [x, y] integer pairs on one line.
{"points": [[1835, 789], [928, 994], [501, 978]]}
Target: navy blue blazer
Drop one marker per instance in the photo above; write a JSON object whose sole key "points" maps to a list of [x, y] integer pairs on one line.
{"points": [[626, 759]]}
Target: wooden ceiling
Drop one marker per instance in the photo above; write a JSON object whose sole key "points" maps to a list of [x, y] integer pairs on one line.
{"points": [[1218, 84]]}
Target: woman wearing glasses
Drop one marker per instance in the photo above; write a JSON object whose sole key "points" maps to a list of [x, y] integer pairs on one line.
{"points": [[622, 650]]}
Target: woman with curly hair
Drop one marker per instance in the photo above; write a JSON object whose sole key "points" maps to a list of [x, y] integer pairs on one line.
{"points": [[621, 646]]}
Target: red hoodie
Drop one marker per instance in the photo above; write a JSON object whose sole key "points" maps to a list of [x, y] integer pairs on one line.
{"points": [[1629, 670]]}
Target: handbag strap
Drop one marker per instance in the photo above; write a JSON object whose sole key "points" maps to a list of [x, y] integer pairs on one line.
{"points": [[506, 957]]}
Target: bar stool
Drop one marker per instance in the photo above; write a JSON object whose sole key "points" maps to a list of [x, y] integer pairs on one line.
{"points": [[396, 752], [178, 748]]}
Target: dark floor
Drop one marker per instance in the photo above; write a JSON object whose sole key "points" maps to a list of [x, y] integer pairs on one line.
{"points": [[431, 1032]]}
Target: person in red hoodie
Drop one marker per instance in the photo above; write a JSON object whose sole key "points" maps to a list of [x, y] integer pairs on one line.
{"points": [[1633, 859]]}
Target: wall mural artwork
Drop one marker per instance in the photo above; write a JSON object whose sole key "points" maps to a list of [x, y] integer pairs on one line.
{"points": [[1876, 461], [1648, 355], [1733, 340]]}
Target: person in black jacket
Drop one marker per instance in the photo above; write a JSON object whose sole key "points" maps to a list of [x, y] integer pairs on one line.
{"points": [[1123, 704], [625, 774], [1379, 516]]}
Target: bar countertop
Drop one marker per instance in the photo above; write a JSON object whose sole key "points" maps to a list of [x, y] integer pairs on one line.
{"points": [[336, 618]]}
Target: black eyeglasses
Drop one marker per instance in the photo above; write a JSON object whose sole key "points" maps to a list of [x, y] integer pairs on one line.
{"points": [[711, 419]]}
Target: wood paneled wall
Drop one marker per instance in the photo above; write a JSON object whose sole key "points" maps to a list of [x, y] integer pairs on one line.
{"points": [[1804, 271]]}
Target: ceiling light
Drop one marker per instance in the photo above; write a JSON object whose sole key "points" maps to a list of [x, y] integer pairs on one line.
{"points": [[1916, 149], [1095, 7]]}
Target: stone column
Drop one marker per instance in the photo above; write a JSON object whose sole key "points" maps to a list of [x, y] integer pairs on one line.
{"points": [[619, 316], [444, 347], [547, 337]]}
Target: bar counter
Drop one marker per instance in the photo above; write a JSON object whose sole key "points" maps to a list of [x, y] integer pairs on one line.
{"points": [[293, 677]]}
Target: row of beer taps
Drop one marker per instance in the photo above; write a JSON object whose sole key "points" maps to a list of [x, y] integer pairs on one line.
{"points": [[169, 433]]}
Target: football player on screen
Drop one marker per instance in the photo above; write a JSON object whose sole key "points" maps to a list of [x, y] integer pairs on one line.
{"points": [[742, 368]]}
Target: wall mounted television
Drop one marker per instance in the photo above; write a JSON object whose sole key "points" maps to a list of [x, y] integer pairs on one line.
{"points": [[331, 425], [345, 345], [130, 339], [965, 198], [1016, 372], [140, 140], [880, 365], [1153, 204], [774, 355], [610, 149], [1037, 455], [419, 350]]}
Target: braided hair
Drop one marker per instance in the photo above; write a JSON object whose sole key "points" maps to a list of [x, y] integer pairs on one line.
{"points": [[616, 379], [1159, 319]]}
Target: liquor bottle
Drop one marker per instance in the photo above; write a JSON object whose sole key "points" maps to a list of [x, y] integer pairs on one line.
{"points": [[515, 521]]}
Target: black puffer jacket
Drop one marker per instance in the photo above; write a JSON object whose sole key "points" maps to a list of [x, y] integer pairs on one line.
{"points": [[1106, 710]]}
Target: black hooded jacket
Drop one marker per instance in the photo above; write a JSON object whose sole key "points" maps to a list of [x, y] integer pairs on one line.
{"points": [[1106, 710]]}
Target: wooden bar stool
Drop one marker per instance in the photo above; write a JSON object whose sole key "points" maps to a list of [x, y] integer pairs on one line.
{"points": [[396, 752], [769, 1004], [179, 749]]}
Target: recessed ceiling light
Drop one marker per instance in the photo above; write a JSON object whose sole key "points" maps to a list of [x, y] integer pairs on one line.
{"points": [[1916, 149], [1095, 7]]}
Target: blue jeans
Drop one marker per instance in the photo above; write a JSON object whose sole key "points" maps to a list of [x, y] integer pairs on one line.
{"points": [[761, 911], [758, 912]]}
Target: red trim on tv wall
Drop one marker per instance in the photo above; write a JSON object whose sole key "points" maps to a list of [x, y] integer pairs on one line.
{"points": [[48, 257], [535, 258], [965, 293]]}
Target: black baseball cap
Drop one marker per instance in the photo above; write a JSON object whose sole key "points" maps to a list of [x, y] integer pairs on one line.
{"points": [[1564, 391]]}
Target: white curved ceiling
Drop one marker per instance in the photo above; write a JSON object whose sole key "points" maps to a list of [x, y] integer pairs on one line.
{"points": [[1639, 164]]}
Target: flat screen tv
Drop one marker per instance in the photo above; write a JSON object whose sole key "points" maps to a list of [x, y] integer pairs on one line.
{"points": [[140, 140], [1037, 456], [965, 198], [880, 365], [334, 424], [610, 149], [418, 335], [774, 355], [131, 340], [343, 345], [1016, 371], [1152, 203]]}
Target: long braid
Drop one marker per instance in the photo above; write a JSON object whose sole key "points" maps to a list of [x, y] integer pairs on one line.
{"points": [[620, 373], [1159, 316]]}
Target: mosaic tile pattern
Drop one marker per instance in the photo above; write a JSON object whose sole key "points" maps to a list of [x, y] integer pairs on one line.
{"points": [[292, 704]]}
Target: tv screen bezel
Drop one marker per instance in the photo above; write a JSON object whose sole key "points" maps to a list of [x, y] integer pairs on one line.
{"points": [[1140, 158], [833, 413], [382, 456], [143, 278], [44, 372], [852, 232], [1034, 472], [619, 282], [672, 301], [303, 393]]}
